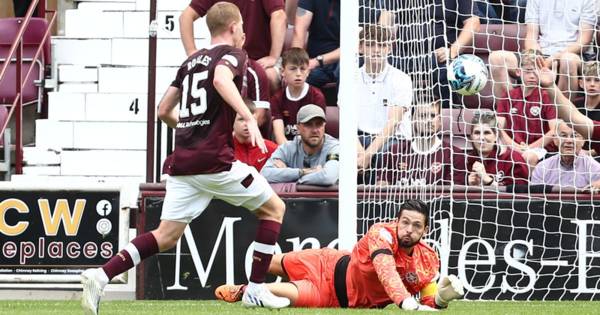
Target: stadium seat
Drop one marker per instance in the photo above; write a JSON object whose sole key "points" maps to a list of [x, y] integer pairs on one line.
{"points": [[330, 91], [32, 37], [333, 116], [491, 37]]}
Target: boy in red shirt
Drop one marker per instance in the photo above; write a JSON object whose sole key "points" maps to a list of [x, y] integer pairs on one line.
{"points": [[286, 102], [244, 151], [528, 114]]}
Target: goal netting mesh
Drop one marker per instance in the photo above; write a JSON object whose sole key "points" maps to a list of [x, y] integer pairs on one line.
{"points": [[505, 236]]}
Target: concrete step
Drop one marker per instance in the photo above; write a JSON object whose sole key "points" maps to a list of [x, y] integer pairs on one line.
{"points": [[106, 6], [59, 135], [35, 156], [81, 23], [127, 79], [78, 87], [118, 51], [67, 106], [77, 73], [78, 51], [103, 163]]}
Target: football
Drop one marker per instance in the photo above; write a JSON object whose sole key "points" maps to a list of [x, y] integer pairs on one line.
{"points": [[467, 74]]}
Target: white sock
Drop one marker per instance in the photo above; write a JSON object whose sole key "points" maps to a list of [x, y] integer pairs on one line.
{"points": [[102, 277]]}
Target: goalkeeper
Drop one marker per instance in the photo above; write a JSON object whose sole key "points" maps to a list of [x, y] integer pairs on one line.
{"points": [[388, 265]]}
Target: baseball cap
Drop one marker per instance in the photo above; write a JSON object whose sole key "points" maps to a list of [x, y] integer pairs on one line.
{"points": [[308, 112]]}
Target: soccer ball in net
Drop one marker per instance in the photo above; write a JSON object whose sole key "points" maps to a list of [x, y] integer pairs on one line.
{"points": [[467, 74]]}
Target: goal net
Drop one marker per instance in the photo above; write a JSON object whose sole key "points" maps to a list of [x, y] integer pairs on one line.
{"points": [[505, 235]]}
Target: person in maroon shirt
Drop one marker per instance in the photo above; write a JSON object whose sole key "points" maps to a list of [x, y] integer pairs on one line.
{"points": [[286, 102], [427, 159], [202, 166], [265, 24], [245, 151], [490, 163], [528, 115]]}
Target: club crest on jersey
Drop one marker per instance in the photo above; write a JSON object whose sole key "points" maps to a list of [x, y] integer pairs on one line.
{"points": [[411, 277], [500, 176], [535, 110], [231, 59], [514, 110], [436, 167]]}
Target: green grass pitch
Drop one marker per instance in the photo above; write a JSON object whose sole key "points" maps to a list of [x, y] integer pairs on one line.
{"points": [[215, 307]]}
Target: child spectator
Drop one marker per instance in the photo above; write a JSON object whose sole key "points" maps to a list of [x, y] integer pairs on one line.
{"points": [[562, 30], [244, 151], [490, 163], [384, 95], [589, 105], [287, 101], [528, 115]]}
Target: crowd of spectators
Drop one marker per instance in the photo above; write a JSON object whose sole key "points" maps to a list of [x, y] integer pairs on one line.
{"points": [[539, 131]]}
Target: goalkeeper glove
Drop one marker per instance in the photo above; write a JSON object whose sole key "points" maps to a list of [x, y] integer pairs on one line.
{"points": [[410, 304], [449, 288]]}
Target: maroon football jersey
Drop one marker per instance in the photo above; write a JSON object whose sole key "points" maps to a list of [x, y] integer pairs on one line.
{"points": [[203, 137], [402, 165], [282, 107], [527, 117], [507, 168], [256, 16]]}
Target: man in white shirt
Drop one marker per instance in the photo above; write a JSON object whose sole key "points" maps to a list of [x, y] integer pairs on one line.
{"points": [[562, 30], [385, 94]]}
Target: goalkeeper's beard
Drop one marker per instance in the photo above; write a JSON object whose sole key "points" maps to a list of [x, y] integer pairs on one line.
{"points": [[407, 242]]}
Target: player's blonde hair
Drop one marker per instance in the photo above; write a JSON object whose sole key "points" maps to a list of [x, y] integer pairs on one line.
{"points": [[220, 16]]}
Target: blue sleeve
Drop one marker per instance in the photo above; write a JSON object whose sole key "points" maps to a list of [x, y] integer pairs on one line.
{"points": [[329, 174], [275, 174], [308, 5]]}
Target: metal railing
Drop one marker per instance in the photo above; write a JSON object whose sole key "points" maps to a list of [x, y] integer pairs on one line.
{"points": [[17, 49]]}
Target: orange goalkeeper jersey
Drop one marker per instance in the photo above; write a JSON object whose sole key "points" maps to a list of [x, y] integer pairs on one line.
{"points": [[400, 275]]}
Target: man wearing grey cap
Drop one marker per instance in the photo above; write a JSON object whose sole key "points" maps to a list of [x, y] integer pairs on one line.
{"points": [[311, 158]]}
